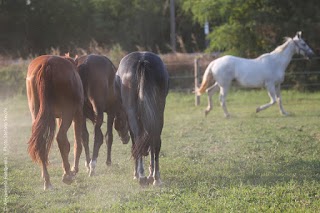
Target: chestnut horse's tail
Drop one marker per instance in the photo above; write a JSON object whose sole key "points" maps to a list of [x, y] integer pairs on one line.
{"points": [[207, 78], [148, 108], [43, 128]]}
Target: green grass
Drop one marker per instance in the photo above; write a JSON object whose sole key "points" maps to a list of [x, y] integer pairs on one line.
{"points": [[249, 163]]}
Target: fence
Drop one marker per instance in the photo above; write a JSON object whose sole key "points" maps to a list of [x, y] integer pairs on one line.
{"points": [[301, 74], [185, 72]]}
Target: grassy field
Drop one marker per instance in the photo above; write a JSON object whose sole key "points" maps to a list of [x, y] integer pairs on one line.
{"points": [[249, 163]]}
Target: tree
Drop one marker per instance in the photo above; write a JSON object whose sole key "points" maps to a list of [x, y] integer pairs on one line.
{"points": [[36, 26], [250, 27]]}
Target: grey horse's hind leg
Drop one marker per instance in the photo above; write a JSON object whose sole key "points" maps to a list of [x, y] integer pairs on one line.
{"points": [[210, 91], [222, 98]]}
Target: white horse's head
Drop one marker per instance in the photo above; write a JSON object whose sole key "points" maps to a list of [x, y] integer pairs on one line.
{"points": [[301, 46]]}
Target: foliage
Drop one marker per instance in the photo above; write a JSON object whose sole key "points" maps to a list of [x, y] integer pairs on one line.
{"points": [[249, 28], [36, 26], [249, 163]]}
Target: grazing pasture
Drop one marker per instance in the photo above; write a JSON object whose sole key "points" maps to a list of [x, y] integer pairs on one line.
{"points": [[249, 163]]}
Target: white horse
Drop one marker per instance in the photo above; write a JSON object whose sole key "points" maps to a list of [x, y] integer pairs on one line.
{"points": [[267, 70]]}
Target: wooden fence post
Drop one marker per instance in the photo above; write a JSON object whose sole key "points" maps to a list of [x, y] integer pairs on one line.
{"points": [[196, 77]]}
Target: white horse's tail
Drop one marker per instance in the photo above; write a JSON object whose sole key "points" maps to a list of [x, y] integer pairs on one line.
{"points": [[206, 79]]}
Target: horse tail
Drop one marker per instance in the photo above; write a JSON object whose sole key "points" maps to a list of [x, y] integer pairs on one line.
{"points": [[114, 68], [207, 77], [82, 70], [147, 109], [43, 128], [87, 107]]}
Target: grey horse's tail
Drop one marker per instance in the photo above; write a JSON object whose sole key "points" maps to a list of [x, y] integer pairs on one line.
{"points": [[148, 109]]}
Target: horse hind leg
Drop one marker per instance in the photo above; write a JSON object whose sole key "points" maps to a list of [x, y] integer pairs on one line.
{"points": [[46, 177], [85, 142], [98, 140], [222, 98], [210, 91], [140, 175], [154, 166], [151, 167], [109, 138], [64, 147], [78, 119]]}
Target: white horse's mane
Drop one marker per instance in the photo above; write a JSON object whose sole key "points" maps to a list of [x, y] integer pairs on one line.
{"points": [[282, 46], [278, 49]]}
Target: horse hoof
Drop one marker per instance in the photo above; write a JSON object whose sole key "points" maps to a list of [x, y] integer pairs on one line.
{"points": [[150, 180], [285, 113], [108, 163], [143, 181], [47, 186], [67, 179], [92, 167], [74, 171], [157, 183], [86, 164], [92, 173]]}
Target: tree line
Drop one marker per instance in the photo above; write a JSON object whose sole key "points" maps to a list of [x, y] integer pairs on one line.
{"points": [[245, 28], [36, 26]]}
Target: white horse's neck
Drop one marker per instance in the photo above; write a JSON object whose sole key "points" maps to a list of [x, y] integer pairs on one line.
{"points": [[283, 54]]}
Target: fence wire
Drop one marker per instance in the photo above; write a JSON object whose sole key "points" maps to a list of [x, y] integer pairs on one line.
{"points": [[183, 80]]}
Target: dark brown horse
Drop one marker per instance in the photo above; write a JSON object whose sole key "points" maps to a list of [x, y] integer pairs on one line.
{"points": [[97, 74], [54, 90], [142, 82]]}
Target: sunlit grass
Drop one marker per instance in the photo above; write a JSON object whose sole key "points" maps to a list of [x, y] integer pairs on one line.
{"points": [[249, 163]]}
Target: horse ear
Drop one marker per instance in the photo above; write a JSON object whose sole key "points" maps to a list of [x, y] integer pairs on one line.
{"points": [[299, 34], [76, 57]]}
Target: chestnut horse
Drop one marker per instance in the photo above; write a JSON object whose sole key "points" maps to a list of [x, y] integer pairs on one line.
{"points": [[54, 90], [142, 82], [97, 74]]}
